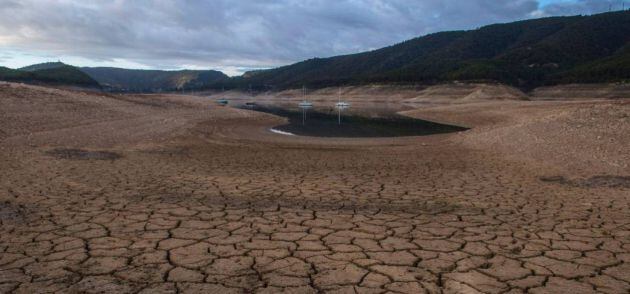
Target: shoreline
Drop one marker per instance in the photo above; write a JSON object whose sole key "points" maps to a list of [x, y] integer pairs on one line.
{"points": [[136, 193]]}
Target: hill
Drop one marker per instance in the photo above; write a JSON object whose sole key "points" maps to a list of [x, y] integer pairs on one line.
{"points": [[41, 66], [7, 74], [525, 54], [55, 73], [135, 80]]}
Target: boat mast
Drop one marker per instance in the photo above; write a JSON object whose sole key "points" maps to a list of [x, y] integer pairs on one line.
{"points": [[339, 93], [339, 105], [304, 107]]}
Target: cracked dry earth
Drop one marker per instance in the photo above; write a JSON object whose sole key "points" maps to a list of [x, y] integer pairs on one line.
{"points": [[215, 211]]}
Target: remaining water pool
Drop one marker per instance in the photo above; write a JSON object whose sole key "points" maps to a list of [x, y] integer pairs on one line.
{"points": [[332, 123]]}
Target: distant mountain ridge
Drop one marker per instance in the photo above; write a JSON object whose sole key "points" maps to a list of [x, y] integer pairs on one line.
{"points": [[55, 73], [113, 79], [43, 66], [136, 80], [526, 54]]}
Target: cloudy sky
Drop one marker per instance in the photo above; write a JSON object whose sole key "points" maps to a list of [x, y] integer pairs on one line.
{"points": [[238, 35]]}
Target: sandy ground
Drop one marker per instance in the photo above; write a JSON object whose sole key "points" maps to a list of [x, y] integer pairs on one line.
{"points": [[166, 194]]}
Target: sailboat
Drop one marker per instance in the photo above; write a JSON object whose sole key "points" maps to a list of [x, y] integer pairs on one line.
{"points": [[305, 103], [341, 104]]}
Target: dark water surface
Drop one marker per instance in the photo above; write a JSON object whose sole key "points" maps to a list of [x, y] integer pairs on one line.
{"points": [[325, 123]]}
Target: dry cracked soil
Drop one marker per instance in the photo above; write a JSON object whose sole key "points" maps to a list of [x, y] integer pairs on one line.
{"points": [[159, 194]]}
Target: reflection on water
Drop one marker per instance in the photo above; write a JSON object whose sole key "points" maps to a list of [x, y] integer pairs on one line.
{"points": [[352, 123]]}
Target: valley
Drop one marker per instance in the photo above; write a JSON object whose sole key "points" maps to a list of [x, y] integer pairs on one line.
{"points": [[172, 193]]}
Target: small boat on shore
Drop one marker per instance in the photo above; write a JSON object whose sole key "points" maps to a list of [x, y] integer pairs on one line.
{"points": [[223, 101]]}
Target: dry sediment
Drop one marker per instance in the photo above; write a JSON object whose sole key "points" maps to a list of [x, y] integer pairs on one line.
{"points": [[204, 199]]}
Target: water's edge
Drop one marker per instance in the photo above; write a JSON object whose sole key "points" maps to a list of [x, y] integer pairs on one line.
{"points": [[326, 124]]}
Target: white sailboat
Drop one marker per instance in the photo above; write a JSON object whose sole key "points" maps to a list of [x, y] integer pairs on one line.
{"points": [[340, 105], [305, 103]]}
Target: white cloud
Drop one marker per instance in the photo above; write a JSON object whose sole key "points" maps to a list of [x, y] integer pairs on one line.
{"points": [[235, 35]]}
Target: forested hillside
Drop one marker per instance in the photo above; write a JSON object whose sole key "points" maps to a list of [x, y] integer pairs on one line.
{"points": [[56, 73], [134, 80], [525, 54]]}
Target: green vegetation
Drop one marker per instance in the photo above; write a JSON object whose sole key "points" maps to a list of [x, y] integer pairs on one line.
{"points": [[614, 68], [48, 73], [525, 54], [41, 66], [133, 80], [7, 74], [65, 75]]}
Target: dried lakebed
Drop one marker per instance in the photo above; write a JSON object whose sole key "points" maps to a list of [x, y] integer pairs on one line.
{"points": [[168, 194]]}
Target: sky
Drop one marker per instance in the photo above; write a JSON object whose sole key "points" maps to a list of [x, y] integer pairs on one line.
{"points": [[239, 35]]}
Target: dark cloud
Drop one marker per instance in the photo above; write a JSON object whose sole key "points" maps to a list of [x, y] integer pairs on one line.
{"points": [[244, 34]]}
